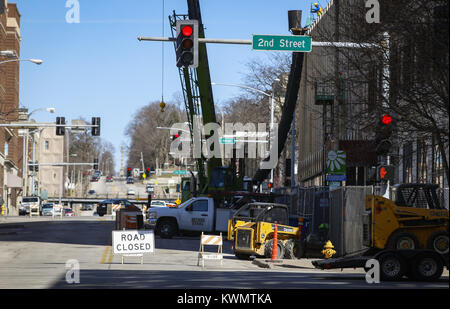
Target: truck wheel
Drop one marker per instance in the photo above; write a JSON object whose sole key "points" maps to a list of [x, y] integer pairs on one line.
{"points": [[427, 267], [438, 242], [403, 240], [268, 249], [295, 249], [392, 267], [167, 229]]}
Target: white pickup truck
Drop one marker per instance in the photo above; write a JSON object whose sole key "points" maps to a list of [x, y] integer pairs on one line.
{"points": [[196, 214]]}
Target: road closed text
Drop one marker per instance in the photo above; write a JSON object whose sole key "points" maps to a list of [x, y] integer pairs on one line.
{"points": [[125, 248], [133, 242]]}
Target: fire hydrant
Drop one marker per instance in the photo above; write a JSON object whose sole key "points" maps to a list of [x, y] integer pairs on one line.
{"points": [[328, 252]]}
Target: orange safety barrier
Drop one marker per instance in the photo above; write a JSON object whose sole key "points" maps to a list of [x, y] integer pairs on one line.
{"points": [[275, 242]]}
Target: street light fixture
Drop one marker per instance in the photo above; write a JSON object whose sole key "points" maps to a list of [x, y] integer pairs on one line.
{"points": [[35, 61], [271, 95], [25, 139]]}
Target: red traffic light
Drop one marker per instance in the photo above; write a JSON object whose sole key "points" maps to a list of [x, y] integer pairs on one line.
{"points": [[386, 119], [187, 30], [383, 172], [129, 169], [176, 135]]}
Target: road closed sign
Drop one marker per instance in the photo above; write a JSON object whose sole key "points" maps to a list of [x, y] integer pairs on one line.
{"points": [[133, 242]]}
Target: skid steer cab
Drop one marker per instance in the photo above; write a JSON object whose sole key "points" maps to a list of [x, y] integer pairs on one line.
{"points": [[252, 230]]}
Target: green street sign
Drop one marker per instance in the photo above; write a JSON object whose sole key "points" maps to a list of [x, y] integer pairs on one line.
{"points": [[225, 140], [293, 43], [179, 172]]}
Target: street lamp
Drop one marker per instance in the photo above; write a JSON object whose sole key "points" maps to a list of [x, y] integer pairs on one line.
{"points": [[270, 95], [35, 61], [25, 139]]}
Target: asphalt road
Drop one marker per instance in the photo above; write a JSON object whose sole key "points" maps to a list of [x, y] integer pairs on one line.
{"points": [[38, 253]]}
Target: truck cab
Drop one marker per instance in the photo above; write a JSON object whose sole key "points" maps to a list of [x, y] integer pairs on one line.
{"points": [[28, 203], [196, 214]]}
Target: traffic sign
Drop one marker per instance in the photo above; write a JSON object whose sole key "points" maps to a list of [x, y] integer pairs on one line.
{"points": [[133, 241], [294, 43], [335, 178], [336, 163]]}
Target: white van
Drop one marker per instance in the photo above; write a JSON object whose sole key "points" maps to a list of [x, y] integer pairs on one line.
{"points": [[30, 202]]}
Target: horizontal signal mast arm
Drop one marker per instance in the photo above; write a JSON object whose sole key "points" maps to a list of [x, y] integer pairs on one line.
{"points": [[250, 42]]}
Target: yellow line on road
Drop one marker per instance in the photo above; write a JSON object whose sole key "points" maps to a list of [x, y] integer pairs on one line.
{"points": [[105, 254], [111, 255]]}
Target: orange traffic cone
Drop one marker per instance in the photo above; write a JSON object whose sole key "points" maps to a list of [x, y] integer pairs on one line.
{"points": [[275, 243]]}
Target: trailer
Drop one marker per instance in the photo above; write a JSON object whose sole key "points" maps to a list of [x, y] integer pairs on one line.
{"points": [[407, 236], [419, 264]]}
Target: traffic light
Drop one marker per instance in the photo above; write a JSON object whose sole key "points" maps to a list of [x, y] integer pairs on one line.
{"points": [[385, 173], [129, 172], [383, 135], [95, 164], [187, 43], [95, 130], [60, 128], [175, 136]]}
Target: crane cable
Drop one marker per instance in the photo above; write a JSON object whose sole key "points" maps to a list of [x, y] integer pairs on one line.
{"points": [[162, 54]]}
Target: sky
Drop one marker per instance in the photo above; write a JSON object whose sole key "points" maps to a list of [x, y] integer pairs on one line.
{"points": [[98, 68]]}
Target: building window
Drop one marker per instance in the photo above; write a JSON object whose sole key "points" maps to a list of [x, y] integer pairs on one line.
{"points": [[47, 145], [437, 165], [422, 154], [407, 162], [6, 149]]}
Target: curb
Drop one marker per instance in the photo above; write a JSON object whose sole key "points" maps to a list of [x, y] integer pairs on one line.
{"points": [[263, 263]]}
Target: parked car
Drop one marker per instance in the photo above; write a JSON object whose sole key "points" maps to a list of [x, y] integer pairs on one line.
{"points": [[131, 192], [130, 180], [91, 192], [47, 209], [68, 212], [109, 179], [87, 207], [158, 203]]}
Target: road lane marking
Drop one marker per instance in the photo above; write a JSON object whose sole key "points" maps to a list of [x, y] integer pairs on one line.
{"points": [[111, 255], [102, 261]]}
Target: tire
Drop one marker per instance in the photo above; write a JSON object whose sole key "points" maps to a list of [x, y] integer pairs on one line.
{"points": [[403, 240], [167, 229], [294, 249], [268, 249], [392, 267], [438, 242], [427, 267]]}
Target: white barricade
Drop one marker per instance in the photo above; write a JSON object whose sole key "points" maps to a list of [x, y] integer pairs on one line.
{"points": [[34, 210], [210, 240], [57, 210]]}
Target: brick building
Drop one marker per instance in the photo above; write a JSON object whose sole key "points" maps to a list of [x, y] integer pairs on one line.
{"points": [[10, 142]]}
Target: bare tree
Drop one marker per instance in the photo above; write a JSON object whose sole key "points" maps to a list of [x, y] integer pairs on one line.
{"points": [[145, 138]]}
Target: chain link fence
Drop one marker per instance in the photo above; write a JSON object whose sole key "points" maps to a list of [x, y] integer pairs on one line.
{"points": [[339, 211]]}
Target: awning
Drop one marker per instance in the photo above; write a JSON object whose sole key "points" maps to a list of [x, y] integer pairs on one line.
{"points": [[13, 181]]}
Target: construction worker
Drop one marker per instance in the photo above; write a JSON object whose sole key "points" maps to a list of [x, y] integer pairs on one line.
{"points": [[317, 9]]}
